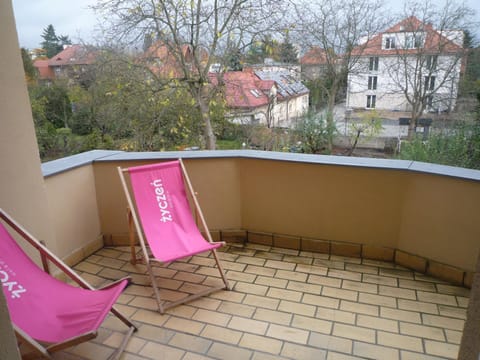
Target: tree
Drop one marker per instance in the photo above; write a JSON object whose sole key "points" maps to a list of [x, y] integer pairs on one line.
{"points": [[29, 69], [426, 63], [338, 27], [287, 52], [52, 43], [195, 34]]}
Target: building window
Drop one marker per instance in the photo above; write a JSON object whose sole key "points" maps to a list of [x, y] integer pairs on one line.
{"points": [[371, 99], [390, 42], [413, 41], [373, 65], [429, 101], [431, 62], [372, 83], [429, 82]]}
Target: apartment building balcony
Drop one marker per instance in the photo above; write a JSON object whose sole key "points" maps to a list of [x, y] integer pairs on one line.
{"points": [[328, 257]]}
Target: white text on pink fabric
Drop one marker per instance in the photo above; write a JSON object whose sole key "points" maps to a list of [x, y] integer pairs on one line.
{"points": [[162, 200], [13, 287]]}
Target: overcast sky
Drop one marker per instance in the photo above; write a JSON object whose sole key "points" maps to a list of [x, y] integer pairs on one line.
{"points": [[75, 19]]}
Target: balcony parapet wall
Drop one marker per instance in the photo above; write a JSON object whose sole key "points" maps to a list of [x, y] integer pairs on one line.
{"points": [[423, 216]]}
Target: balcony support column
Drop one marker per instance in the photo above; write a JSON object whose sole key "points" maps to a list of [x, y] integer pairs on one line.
{"points": [[470, 345]]}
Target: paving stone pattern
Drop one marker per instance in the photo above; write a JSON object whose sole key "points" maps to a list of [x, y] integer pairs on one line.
{"points": [[285, 304]]}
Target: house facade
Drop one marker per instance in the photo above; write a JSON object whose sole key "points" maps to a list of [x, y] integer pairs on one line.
{"points": [[70, 63], [410, 64], [270, 98], [313, 63]]}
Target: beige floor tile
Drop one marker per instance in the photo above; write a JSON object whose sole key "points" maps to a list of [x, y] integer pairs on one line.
{"points": [[381, 300], [251, 288], [404, 315], [155, 333], [269, 281], [416, 285], [377, 323], [294, 351], [337, 356], [360, 286], [251, 261], [260, 301], [205, 303], [221, 334], [248, 325], [319, 300], [303, 287], [324, 280], [379, 280], [275, 264], [436, 298], [272, 316], [340, 293], [284, 294], [223, 351], [150, 317], [426, 332], [188, 326], [418, 306], [335, 315], [190, 343], [397, 292], [260, 270], [312, 324], [409, 355], [261, 343], [241, 276], [354, 332], [449, 351], [90, 350], [377, 352], [399, 341], [156, 351], [211, 317], [453, 337], [296, 308], [451, 311], [311, 269], [287, 333], [329, 342], [373, 310], [442, 321], [291, 275], [362, 268], [193, 356], [236, 309], [342, 274]]}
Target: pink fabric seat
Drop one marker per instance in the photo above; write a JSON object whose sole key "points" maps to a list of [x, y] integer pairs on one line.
{"points": [[160, 213], [164, 212], [45, 308]]}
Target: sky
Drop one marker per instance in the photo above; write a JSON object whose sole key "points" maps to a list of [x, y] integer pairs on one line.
{"points": [[75, 19]]}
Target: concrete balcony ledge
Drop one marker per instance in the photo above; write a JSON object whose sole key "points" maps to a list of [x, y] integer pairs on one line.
{"points": [[421, 216], [57, 166]]}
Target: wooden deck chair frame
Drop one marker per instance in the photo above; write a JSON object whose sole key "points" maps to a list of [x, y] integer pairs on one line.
{"points": [[45, 351], [134, 223]]}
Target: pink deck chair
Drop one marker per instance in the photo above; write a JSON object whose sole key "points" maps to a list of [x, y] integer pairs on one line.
{"points": [[162, 215], [49, 315]]}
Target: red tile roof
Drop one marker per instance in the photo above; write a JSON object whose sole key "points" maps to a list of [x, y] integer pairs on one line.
{"points": [[164, 63], [243, 89], [434, 41], [315, 56], [44, 71], [73, 55]]}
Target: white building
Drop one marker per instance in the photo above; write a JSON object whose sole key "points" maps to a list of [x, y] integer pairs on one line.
{"points": [[409, 65]]}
